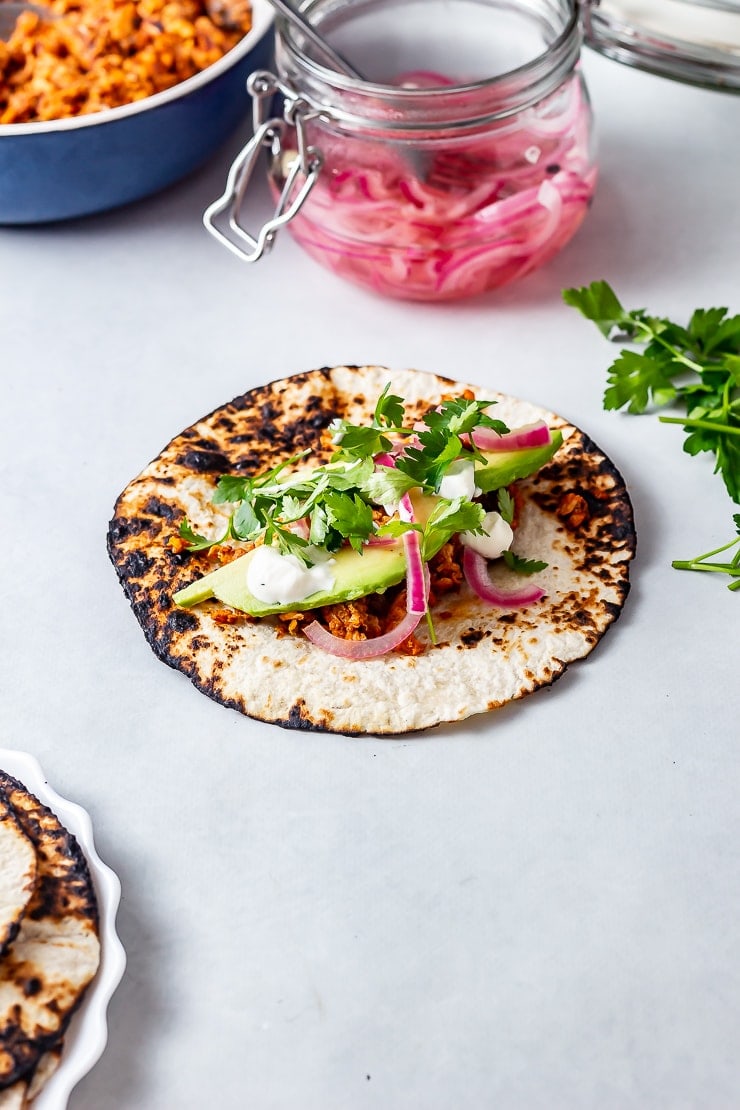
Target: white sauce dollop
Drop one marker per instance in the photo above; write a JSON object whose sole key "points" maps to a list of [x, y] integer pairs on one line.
{"points": [[279, 579], [458, 480], [497, 538]]}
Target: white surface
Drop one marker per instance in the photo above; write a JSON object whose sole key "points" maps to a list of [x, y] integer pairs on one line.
{"points": [[539, 909], [86, 1036]]}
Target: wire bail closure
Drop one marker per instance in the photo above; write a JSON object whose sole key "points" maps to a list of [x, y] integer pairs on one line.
{"points": [[222, 217]]}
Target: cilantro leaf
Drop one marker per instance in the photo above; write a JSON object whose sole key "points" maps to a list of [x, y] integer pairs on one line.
{"points": [[349, 516], [598, 302], [387, 485], [389, 411], [356, 441], [196, 542], [245, 522], [231, 487], [447, 519], [426, 464], [506, 505], [636, 380], [521, 565]]}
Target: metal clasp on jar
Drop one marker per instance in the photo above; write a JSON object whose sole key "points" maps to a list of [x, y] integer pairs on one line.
{"points": [[301, 167]]}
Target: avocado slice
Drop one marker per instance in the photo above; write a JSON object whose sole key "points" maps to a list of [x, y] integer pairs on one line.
{"points": [[355, 575], [504, 467], [374, 569]]}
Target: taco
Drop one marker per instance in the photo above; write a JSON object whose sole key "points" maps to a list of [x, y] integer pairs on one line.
{"points": [[240, 489]]}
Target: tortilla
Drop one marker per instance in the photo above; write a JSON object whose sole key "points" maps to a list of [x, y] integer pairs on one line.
{"points": [[21, 1094], [17, 873], [577, 516], [45, 971]]}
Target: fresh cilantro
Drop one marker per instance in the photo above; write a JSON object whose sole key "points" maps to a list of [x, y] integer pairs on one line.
{"points": [[522, 566], [704, 562], [349, 517], [233, 487], [389, 411], [506, 505], [598, 302], [355, 441], [196, 542], [365, 440], [387, 485], [446, 438], [245, 522], [286, 541], [696, 368], [447, 519], [426, 464]]}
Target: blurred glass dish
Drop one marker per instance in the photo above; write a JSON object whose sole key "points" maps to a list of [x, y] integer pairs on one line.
{"points": [[695, 41]]}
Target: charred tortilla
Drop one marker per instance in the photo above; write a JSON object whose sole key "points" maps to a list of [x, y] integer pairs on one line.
{"points": [[45, 971], [576, 516], [17, 872]]}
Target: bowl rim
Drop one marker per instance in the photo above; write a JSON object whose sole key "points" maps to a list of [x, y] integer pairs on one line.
{"points": [[262, 19]]}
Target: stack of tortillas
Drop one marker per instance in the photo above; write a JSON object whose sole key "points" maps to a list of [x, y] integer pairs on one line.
{"points": [[49, 943]]}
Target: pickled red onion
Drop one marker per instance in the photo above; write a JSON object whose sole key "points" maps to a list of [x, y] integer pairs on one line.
{"points": [[529, 435], [475, 568], [416, 586], [362, 649], [485, 212]]}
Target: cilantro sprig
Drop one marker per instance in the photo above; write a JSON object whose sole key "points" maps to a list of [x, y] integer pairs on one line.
{"points": [[696, 367], [704, 562], [446, 519], [441, 441], [335, 501]]}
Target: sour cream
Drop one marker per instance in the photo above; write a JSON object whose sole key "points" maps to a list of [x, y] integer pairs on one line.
{"points": [[497, 538], [459, 480], [279, 579]]}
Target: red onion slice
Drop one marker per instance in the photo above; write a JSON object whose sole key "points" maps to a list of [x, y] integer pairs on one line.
{"points": [[362, 649], [529, 435], [416, 588], [475, 568]]}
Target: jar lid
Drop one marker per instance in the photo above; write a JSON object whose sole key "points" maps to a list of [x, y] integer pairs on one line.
{"points": [[695, 41]]}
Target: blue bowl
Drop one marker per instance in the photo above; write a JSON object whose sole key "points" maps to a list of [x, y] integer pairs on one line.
{"points": [[85, 164]]}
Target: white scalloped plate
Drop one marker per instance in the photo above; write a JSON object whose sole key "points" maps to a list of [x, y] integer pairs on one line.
{"points": [[87, 1034]]}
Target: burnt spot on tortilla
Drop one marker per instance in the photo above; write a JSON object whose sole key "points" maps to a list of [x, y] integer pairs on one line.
{"points": [[137, 564], [179, 620], [155, 506], [205, 462], [121, 528]]}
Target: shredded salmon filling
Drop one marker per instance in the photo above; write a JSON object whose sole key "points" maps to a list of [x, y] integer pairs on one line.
{"points": [[97, 54], [376, 614]]}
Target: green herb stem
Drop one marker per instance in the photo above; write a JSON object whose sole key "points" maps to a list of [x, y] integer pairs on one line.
{"points": [[679, 356], [708, 425], [695, 564]]}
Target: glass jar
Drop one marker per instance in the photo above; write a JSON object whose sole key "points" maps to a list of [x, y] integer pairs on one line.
{"points": [[462, 160]]}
